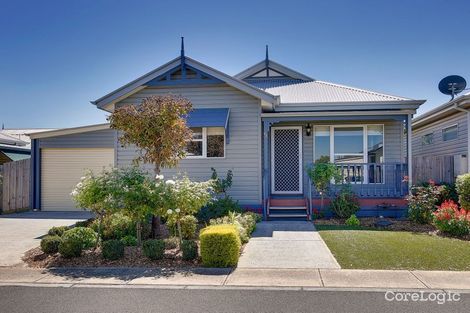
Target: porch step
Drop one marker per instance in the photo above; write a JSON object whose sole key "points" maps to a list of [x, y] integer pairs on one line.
{"points": [[287, 208]]}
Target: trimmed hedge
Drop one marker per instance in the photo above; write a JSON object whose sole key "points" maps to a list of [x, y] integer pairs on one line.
{"points": [[50, 244], [154, 249], [86, 236], [189, 248], [220, 245], [112, 249], [57, 231], [70, 248]]}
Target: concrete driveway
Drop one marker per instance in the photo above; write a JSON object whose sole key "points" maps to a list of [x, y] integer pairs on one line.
{"points": [[22, 231], [286, 244]]}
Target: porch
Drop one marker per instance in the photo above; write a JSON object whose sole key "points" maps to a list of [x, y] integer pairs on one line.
{"points": [[371, 152]]}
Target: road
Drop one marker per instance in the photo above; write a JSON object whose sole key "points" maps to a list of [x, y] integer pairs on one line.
{"points": [[15, 299]]}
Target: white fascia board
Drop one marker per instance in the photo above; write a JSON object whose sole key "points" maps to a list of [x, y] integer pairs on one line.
{"points": [[123, 91], [275, 66], [136, 85], [440, 111], [68, 131], [342, 113]]}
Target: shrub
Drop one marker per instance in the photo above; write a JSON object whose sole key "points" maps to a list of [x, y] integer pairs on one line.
{"points": [[50, 244], [57, 231], [171, 243], [129, 241], [84, 235], [85, 223], [346, 203], [221, 185], [248, 222], [112, 249], [189, 248], [118, 225], [188, 227], [449, 192], [233, 219], [220, 246], [353, 221], [449, 219], [463, 189], [218, 208], [257, 217], [70, 248], [154, 249], [422, 202]]}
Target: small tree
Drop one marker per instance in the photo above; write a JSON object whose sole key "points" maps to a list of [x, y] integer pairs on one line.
{"points": [[221, 185], [131, 192], [157, 127], [321, 174], [185, 197]]}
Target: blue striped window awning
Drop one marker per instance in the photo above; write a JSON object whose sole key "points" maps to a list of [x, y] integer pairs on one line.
{"points": [[210, 118]]}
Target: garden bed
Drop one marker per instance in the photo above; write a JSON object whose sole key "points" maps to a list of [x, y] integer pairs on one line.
{"points": [[133, 257], [370, 223]]}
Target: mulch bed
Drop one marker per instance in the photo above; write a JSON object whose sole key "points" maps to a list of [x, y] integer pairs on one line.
{"points": [[133, 257], [397, 224]]}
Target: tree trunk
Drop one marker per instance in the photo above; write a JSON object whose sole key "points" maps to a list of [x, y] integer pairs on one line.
{"points": [[138, 226], [156, 221], [180, 236]]}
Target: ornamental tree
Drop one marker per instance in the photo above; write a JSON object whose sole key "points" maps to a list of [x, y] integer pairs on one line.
{"points": [[157, 127], [322, 173]]}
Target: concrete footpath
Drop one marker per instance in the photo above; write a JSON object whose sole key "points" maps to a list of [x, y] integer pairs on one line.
{"points": [[305, 278]]}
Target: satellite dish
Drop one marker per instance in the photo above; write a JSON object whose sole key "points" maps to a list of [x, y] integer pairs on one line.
{"points": [[452, 85]]}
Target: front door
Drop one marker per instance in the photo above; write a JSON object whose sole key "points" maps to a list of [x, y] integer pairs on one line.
{"points": [[286, 160]]}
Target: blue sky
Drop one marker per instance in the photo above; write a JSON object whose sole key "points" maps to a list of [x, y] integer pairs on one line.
{"points": [[56, 56]]}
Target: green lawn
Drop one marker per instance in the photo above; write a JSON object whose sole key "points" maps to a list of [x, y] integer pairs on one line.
{"points": [[358, 248]]}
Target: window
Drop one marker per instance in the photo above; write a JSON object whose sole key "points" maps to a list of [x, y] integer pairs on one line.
{"points": [[450, 133], [427, 139], [322, 143], [207, 142], [350, 146]]}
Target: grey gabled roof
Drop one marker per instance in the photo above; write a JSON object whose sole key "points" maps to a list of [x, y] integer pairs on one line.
{"points": [[137, 84], [443, 110], [324, 92]]}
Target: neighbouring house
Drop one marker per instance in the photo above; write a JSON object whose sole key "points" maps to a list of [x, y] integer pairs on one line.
{"points": [[267, 124], [15, 144], [440, 142]]}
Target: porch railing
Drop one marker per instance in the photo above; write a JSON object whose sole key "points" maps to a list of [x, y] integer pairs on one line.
{"points": [[370, 180]]}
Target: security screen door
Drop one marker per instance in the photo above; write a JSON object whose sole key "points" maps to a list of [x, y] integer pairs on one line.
{"points": [[286, 160]]}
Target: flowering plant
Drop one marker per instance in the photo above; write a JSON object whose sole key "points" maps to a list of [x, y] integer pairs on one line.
{"points": [[422, 202], [448, 218], [185, 197]]}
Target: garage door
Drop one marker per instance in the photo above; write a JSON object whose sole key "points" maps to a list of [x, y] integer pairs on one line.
{"points": [[61, 170]]}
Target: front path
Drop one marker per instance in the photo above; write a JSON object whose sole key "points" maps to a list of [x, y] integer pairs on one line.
{"points": [[286, 245]]}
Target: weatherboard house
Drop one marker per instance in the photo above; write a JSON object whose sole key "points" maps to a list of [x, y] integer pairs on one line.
{"points": [[266, 124]]}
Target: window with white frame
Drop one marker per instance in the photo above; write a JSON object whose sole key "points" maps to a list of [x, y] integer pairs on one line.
{"points": [[350, 146], [207, 142], [427, 139], [450, 133]]}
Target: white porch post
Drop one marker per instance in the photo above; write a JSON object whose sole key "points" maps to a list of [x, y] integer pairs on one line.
{"points": [[409, 152]]}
